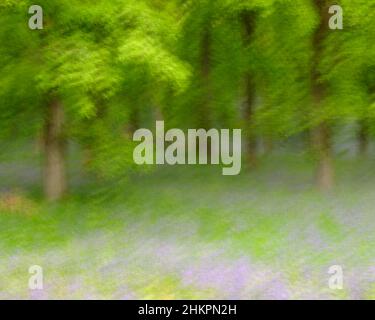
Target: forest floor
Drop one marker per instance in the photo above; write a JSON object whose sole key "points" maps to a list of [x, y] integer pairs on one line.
{"points": [[191, 233]]}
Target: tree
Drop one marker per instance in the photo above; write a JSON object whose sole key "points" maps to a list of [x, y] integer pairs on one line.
{"points": [[322, 132], [66, 78]]}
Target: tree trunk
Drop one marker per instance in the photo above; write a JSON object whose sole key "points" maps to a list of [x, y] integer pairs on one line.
{"points": [[268, 145], [363, 138], [133, 123], [248, 22], [322, 132], [206, 112], [54, 170], [251, 143], [205, 120], [323, 148]]}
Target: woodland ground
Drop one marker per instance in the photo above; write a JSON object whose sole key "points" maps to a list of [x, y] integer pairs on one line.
{"points": [[189, 232]]}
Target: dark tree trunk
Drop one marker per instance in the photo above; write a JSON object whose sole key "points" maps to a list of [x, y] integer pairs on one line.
{"points": [[363, 138], [206, 52], [205, 118], [268, 145], [133, 124], [54, 149], [322, 132], [248, 22], [323, 149]]}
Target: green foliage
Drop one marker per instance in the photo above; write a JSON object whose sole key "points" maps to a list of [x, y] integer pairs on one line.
{"points": [[90, 55], [117, 66]]}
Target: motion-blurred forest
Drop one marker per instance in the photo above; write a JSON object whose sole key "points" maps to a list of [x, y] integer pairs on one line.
{"points": [[73, 201]]}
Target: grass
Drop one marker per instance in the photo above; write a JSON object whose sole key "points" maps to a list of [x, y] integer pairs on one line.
{"points": [[190, 233]]}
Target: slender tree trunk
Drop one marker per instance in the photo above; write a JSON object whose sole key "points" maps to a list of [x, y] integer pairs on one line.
{"points": [[206, 112], [323, 148], [322, 132], [248, 22], [54, 170], [363, 138], [133, 124], [268, 145], [205, 117]]}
